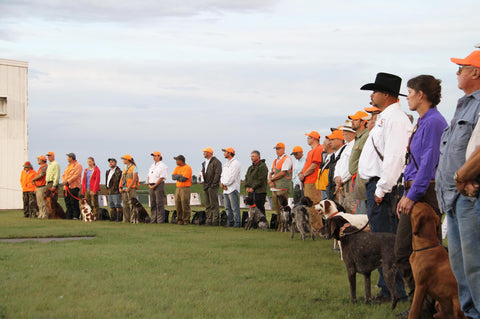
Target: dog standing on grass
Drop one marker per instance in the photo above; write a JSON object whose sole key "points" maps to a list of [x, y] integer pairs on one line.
{"points": [[255, 216], [86, 211], [364, 252], [284, 218], [139, 214], [54, 210], [300, 219]]}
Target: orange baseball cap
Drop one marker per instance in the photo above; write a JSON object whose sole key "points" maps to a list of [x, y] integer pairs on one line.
{"points": [[42, 157], [358, 116], [27, 164], [296, 149], [156, 153], [208, 149], [279, 145], [472, 59], [314, 134], [372, 109], [128, 157], [50, 154], [336, 134], [229, 149]]}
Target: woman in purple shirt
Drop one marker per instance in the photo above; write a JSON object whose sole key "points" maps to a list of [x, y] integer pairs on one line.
{"points": [[424, 93]]}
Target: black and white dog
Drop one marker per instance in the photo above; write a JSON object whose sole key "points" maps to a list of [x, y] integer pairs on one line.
{"points": [[300, 219], [139, 214], [255, 216]]}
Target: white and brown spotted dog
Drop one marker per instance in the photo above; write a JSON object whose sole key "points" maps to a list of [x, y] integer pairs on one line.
{"points": [[328, 209], [86, 211]]}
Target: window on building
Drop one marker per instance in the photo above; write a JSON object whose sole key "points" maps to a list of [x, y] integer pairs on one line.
{"points": [[3, 105]]}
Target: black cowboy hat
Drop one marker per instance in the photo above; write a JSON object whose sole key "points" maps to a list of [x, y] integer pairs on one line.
{"points": [[385, 82]]}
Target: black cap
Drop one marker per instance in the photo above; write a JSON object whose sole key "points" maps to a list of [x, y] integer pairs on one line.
{"points": [[112, 159], [180, 157]]}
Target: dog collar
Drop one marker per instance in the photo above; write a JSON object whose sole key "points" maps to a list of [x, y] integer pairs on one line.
{"points": [[251, 206], [333, 215], [341, 234], [429, 247]]}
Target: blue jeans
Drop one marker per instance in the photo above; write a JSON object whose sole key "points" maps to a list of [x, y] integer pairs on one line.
{"points": [[464, 252], [382, 220], [232, 205]]}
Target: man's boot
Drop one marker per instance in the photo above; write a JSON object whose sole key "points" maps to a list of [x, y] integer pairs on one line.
{"points": [[119, 214], [113, 214]]}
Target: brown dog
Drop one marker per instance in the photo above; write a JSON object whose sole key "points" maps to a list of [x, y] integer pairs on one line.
{"points": [[54, 210], [430, 265]]}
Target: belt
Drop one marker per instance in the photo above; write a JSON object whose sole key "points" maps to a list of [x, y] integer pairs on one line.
{"points": [[408, 184], [151, 184], [40, 186]]}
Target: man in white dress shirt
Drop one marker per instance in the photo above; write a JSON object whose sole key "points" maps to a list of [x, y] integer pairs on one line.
{"points": [[382, 161], [230, 183], [156, 183]]}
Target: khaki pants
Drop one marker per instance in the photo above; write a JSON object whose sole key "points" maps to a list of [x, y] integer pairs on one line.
{"points": [[41, 202], [182, 205], [316, 196], [92, 200], [346, 198], [127, 210]]}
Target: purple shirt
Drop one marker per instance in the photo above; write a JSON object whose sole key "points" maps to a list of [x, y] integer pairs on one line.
{"points": [[425, 148]]}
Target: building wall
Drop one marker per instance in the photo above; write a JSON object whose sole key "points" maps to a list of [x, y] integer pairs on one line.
{"points": [[13, 131]]}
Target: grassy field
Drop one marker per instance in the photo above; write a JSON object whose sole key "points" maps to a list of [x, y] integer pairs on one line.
{"points": [[171, 271]]}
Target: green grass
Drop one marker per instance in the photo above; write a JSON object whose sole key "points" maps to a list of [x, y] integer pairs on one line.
{"points": [[171, 271]]}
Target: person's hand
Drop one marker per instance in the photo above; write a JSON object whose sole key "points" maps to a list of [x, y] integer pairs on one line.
{"points": [[271, 183], [121, 190], [151, 186], [378, 200], [249, 190], [338, 181], [470, 189], [404, 206], [301, 177]]}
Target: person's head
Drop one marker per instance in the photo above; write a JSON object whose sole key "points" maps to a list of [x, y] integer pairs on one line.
{"points": [[349, 136], [327, 147], [348, 131], [255, 156], [371, 121], [157, 156], [313, 138], [280, 149], [386, 90], [228, 152], [41, 159], [207, 152], [424, 91], [297, 152], [91, 162], [180, 160], [127, 159], [112, 162], [336, 139], [27, 166], [358, 124], [51, 156], [468, 74], [71, 157]]}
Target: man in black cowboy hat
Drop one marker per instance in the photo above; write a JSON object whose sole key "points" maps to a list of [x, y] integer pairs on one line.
{"points": [[385, 151]]}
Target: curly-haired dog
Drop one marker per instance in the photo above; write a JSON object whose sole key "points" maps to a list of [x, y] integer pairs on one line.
{"points": [[300, 218], [284, 218], [54, 210], [139, 214], [430, 265], [86, 211], [364, 252], [255, 216]]}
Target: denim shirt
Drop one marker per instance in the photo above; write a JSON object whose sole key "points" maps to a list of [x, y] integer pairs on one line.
{"points": [[453, 145]]}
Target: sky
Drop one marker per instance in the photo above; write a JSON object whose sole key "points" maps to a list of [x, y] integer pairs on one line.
{"points": [[107, 78]]}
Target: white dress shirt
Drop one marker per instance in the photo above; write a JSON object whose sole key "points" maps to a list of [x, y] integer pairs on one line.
{"points": [[341, 168], [157, 170], [297, 169], [390, 135], [231, 176]]}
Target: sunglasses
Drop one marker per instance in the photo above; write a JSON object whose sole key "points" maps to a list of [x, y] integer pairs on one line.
{"points": [[463, 67]]}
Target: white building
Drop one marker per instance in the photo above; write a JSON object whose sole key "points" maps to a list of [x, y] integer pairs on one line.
{"points": [[13, 130]]}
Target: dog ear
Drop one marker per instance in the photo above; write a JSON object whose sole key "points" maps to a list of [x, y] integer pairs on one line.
{"points": [[417, 224], [326, 206]]}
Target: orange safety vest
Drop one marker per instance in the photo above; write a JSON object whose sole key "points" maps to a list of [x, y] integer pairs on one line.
{"points": [[127, 178], [284, 182], [26, 180], [42, 181]]}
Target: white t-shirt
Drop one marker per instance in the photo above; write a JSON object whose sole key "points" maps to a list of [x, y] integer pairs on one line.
{"points": [[157, 170]]}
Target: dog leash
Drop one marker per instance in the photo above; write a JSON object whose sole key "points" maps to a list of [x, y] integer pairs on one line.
{"points": [[68, 191], [361, 229]]}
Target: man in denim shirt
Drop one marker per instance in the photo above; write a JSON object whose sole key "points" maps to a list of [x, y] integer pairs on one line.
{"points": [[462, 215]]}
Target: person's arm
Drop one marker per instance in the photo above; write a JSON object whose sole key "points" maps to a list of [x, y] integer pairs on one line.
{"points": [[56, 175], [96, 181], [41, 173], [218, 172], [259, 180], [465, 176]]}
